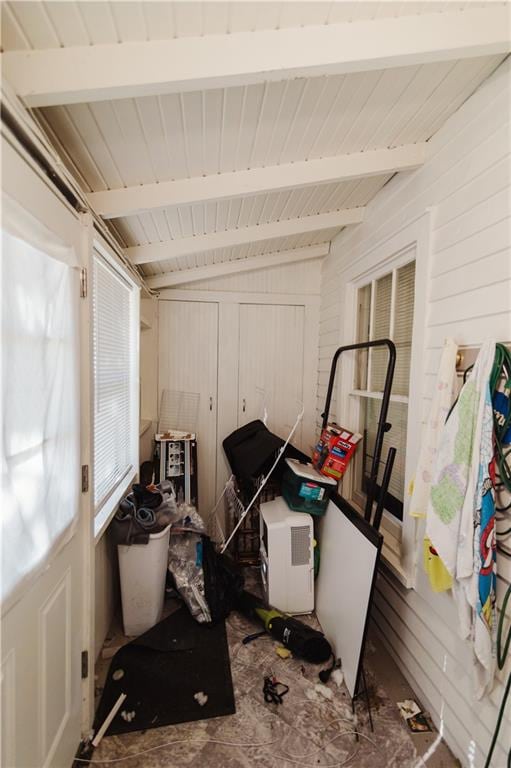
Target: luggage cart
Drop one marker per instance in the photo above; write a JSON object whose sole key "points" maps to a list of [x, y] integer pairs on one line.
{"points": [[383, 426]]}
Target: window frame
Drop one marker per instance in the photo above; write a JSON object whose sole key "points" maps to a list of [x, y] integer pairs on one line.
{"points": [[399, 552], [105, 510], [369, 393]]}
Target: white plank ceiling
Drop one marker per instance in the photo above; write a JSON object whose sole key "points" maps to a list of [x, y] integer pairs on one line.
{"points": [[32, 25], [127, 142]]}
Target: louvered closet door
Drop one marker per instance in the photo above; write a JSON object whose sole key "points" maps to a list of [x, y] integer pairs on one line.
{"points": [[188, 360], [271, 365]]}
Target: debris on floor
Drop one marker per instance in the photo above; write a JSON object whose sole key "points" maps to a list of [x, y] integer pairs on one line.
{"points": [[419, 723], [100, 732], [274, 691], [324, 691], [337, 677], [109, 651], [267, 730], [408, 708], [201, 698], [415, 718]]}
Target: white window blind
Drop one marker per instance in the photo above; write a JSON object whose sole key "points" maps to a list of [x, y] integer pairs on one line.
{"points": [[380, 330], [115, 372], [385, 310], [397, 416], [403, 323]]}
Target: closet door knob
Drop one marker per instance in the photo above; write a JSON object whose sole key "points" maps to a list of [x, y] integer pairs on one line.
{"points": [[244, 405], [210, 403]]}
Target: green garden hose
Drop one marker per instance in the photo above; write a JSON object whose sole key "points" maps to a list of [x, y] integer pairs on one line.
{"points": [[502, 369]]}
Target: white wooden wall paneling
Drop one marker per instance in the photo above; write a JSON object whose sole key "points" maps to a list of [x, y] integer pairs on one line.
{"points": [[469, 246], [98, 72], [472, 278], [252, 263], [468, 131], [402, 648], [310, 347], [302, 278]]}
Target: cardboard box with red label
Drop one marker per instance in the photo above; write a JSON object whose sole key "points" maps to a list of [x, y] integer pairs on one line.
{"points": [[334, 450]]}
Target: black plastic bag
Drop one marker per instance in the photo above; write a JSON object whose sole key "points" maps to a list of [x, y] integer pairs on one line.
{"points": [[223, 581]]}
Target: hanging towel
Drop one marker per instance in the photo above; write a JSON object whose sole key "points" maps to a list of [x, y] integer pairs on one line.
{"points": [[443, 397], [455, 513], [450, 511], [485, 559], [476, 593], [440, 579]]}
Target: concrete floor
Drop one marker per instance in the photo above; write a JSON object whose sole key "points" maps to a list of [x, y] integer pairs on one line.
{"points": [[303, 720]]}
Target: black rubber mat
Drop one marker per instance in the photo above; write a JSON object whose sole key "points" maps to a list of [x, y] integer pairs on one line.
{"points": [[161, 672]]}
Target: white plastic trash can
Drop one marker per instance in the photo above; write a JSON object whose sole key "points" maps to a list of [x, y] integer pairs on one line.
{"points": [[142, 571]]}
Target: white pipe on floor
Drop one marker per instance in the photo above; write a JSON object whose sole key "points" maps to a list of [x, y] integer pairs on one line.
{"points": [[116, 707]]}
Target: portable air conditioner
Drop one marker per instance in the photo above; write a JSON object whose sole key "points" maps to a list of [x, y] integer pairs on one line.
{"points": [[287, 557]]}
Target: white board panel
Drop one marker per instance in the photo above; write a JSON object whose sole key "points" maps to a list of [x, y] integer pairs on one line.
{"points": [[349, 556]]}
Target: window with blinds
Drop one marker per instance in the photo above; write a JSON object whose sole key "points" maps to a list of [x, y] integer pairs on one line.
{"points": [[115, 375], [385, 310]]}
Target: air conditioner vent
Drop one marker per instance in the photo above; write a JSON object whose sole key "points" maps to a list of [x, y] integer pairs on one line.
{"points": [[300, 545]]}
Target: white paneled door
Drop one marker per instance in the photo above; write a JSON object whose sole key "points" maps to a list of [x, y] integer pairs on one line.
{"points": [[270, 373], [43, 551], [188, 362]]}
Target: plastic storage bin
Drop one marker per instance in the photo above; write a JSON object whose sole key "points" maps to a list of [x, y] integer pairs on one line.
{"points": [[142, 571], [305, 489]]}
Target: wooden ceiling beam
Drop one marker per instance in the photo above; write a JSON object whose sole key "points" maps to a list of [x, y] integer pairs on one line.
{"points": [[187, 246], [130, 201], [113, 71], [274, 259]]}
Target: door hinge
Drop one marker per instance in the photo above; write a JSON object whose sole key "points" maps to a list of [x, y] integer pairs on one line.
{"points": [[83, 283], [85, 665], [85, 478]]}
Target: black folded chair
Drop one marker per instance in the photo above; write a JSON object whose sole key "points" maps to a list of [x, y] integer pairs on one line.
{"points": [[251, 451]]}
